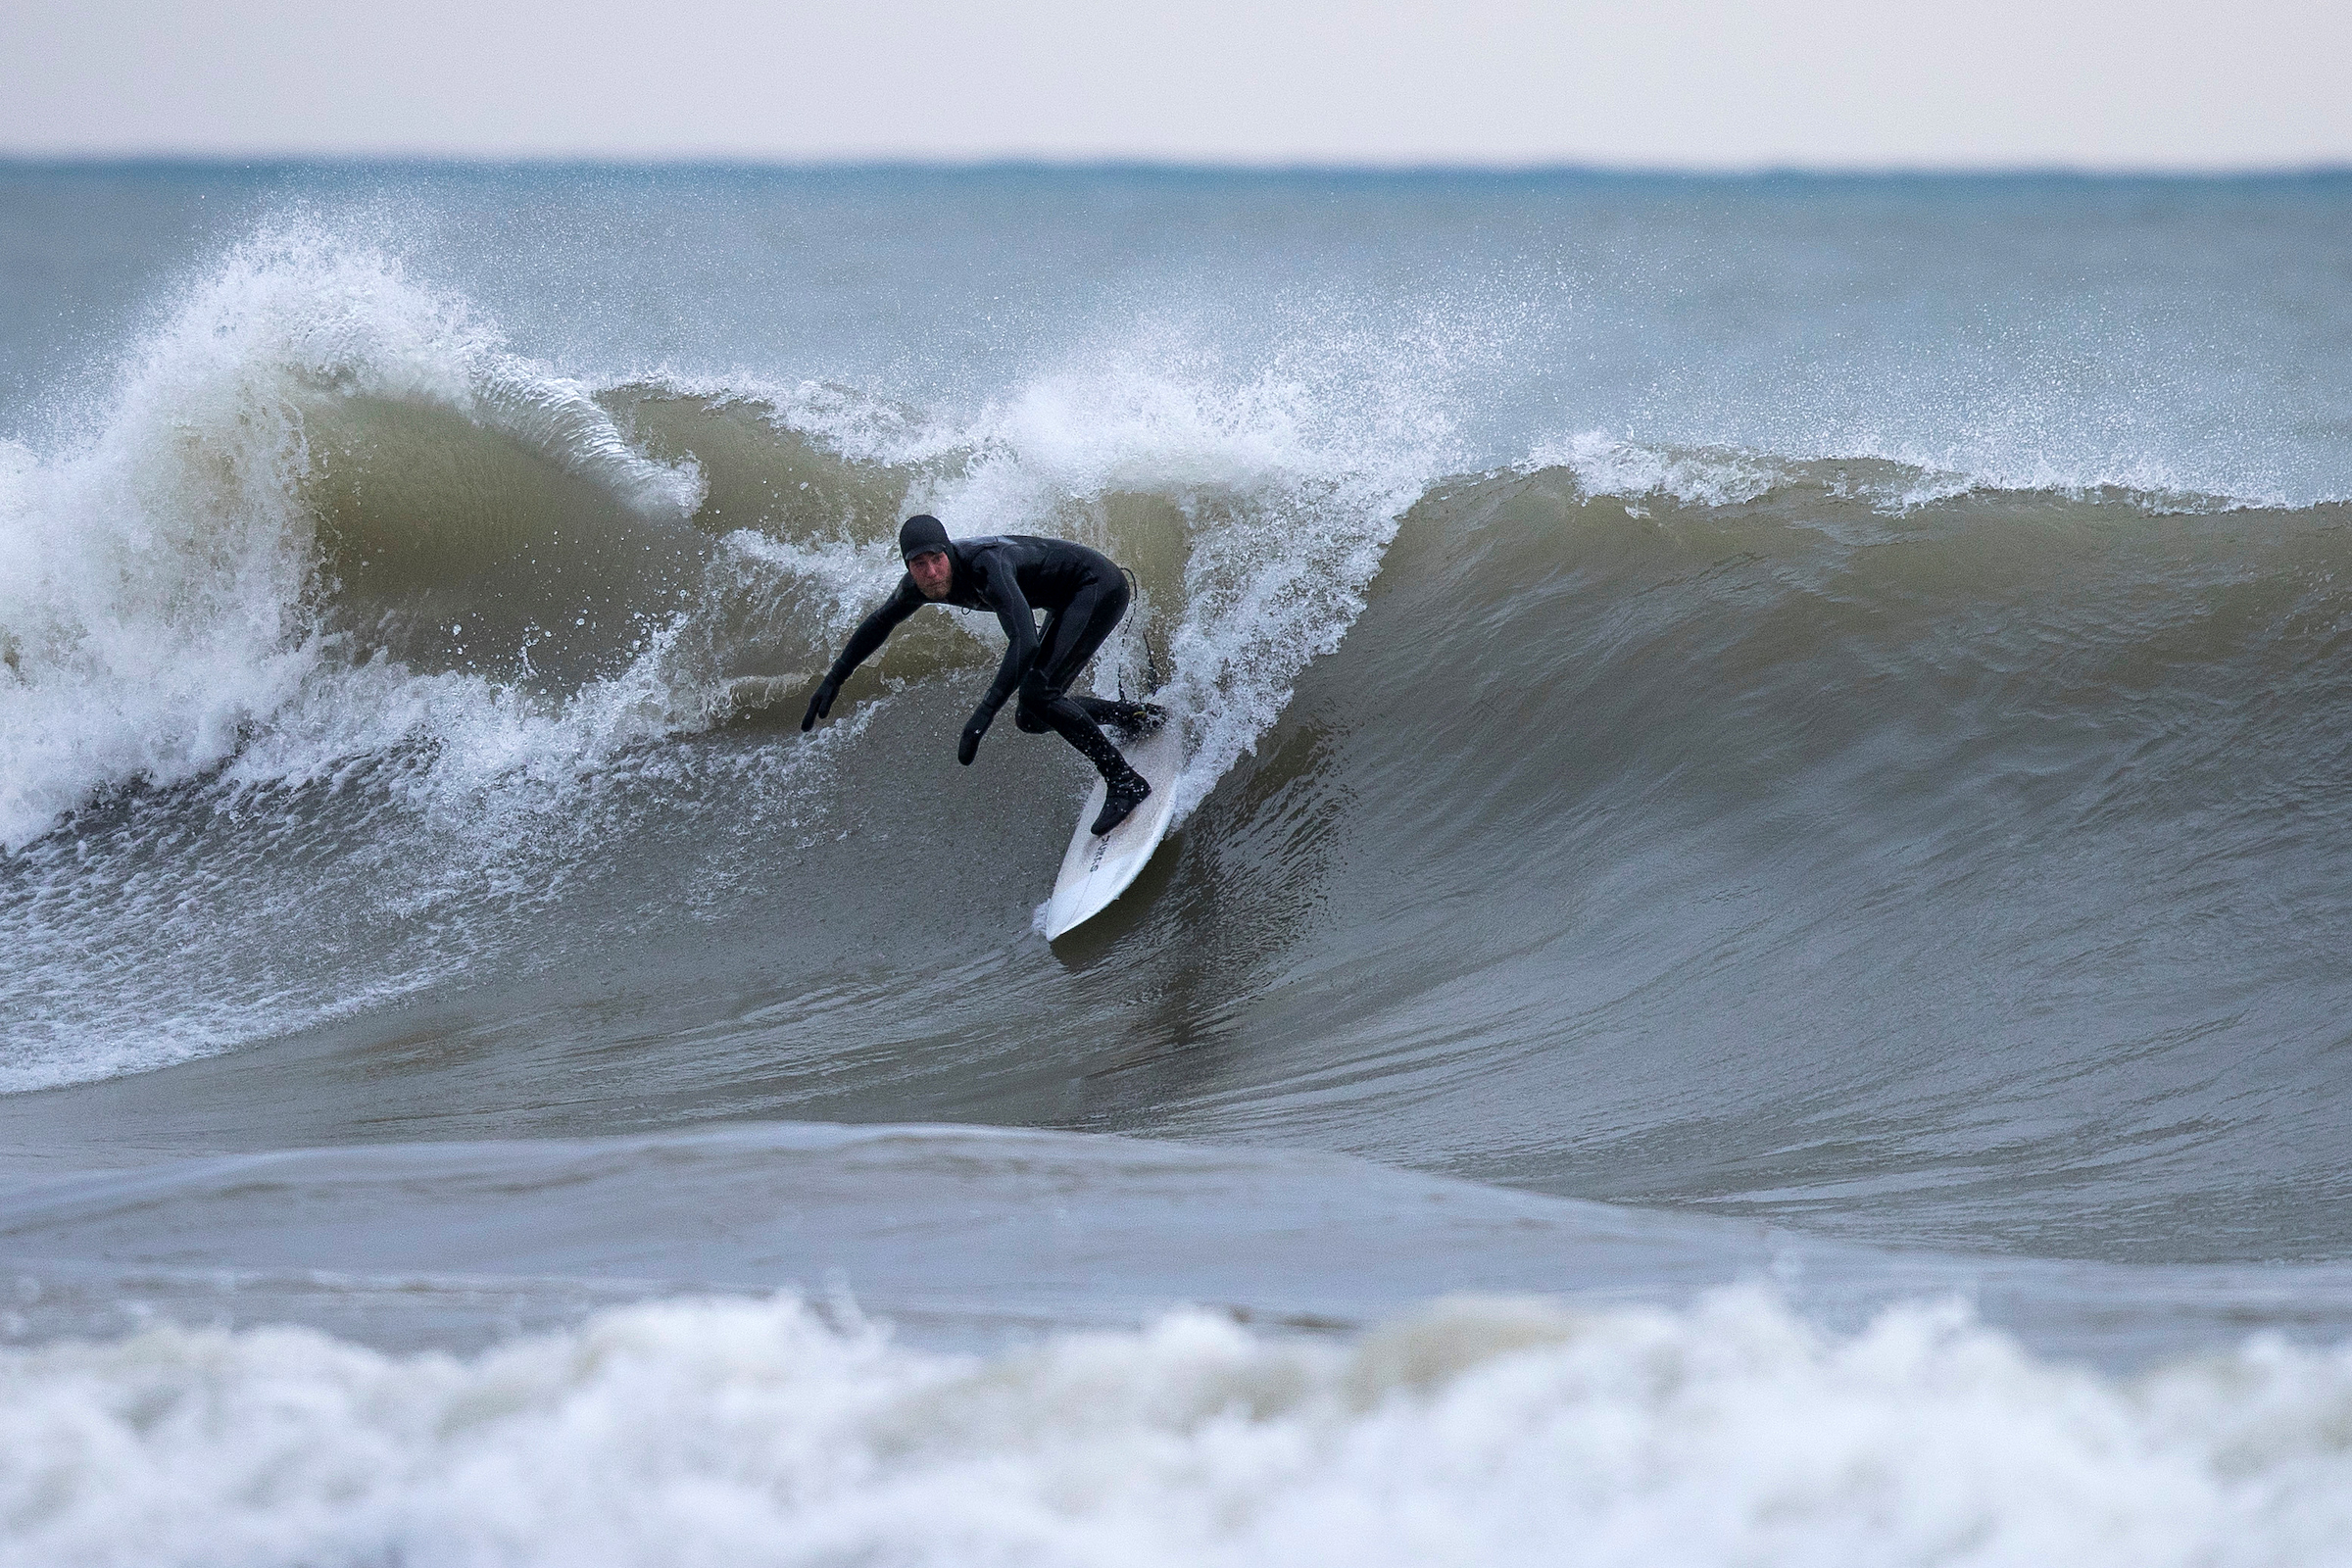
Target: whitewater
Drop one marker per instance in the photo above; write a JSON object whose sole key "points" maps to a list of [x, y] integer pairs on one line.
{"points": [[1750, 967]]}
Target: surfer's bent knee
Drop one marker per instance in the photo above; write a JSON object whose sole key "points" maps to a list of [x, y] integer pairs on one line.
{"points": [[1036, 695]]}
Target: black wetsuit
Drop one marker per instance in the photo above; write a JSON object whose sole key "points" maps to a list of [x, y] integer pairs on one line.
{"points": [[1084, 596]]}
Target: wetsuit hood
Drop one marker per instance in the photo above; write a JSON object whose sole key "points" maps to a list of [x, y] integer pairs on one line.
{"points": [[921, 534]]}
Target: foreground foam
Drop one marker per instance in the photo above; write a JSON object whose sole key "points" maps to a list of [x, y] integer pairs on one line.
{"points": [[1478, 1431]]}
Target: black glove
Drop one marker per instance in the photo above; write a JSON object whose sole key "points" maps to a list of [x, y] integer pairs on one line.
{"points": [[969, 746], [821, 704]]}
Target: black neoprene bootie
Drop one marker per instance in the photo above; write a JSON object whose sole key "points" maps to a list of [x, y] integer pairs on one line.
{"points": [[1122, 792], [1133, 720], [1137, 720]]}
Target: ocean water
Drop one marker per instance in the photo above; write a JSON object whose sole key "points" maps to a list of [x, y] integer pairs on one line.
{"points": [[1756, 963]]}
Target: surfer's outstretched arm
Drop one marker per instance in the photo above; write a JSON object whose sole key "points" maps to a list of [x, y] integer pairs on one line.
{"points": [[1004, 595], [871, 633]]}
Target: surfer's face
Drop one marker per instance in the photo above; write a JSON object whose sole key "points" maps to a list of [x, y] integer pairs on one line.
{"points": [[932, 571]]}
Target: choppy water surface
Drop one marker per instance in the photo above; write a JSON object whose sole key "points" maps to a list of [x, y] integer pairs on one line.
{"points": [[1753, 964]]}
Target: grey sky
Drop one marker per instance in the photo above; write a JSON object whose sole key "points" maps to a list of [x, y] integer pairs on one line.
{"points": [[2098, 83]]}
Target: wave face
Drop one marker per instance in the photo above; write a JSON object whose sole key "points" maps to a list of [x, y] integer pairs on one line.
{"points": [[338, 555], [1768, 732]]}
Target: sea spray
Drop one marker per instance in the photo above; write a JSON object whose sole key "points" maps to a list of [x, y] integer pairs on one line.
{"points": [[170, 601]]}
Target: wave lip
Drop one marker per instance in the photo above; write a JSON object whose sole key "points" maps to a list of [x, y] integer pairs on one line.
{"points": [[163, 599]]}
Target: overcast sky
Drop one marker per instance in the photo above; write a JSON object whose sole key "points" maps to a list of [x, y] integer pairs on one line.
{"points": [[2153, 83]]}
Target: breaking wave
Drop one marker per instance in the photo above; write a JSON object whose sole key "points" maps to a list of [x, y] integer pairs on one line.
{"points": [[367, 661]]}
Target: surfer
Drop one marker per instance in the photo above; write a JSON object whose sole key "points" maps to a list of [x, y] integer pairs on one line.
{"points": [[1084, 596]]}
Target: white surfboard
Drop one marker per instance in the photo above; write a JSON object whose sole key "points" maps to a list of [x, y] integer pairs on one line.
{"points": [[1097, 870]]}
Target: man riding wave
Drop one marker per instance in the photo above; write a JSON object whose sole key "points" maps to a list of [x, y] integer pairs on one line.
{"points": [[1084, 597]]}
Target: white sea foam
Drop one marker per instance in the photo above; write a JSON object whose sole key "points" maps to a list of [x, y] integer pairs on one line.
{"points": [[1605, 465], [1914, 477], [1290, 491], [160, 598], [1485, 1432], [162, 618]]}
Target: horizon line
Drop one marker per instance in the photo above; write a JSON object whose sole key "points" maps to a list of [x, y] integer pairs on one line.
{"points": [[1402, 169]]}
